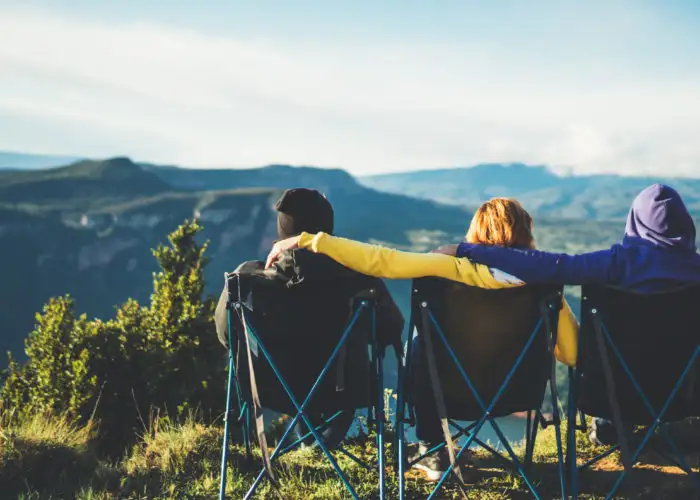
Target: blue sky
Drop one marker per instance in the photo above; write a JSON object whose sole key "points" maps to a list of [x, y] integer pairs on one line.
{"points": [[368, 86]]}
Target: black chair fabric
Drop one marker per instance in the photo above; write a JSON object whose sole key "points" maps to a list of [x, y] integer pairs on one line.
{"points": [[487, 330], [656, 334], [300, 327]]}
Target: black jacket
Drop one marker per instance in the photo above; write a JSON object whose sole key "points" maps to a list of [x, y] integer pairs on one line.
{"points": [[299, 308], [301, 268]]}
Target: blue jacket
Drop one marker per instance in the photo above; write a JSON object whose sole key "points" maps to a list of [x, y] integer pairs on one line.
{"points": [[657, 252]]}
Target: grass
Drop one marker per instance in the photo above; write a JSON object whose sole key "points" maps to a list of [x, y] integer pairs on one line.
{"points": [[46, 457], [44, 454]]}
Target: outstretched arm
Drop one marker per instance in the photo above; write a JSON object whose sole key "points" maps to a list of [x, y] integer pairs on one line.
{"points": [[383, 262], [536, 267]]}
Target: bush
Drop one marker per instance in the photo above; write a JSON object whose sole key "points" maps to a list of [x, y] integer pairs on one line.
{"points": [[145, 361]]}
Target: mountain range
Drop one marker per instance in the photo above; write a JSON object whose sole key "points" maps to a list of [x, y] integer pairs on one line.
{"points": [[86, 228], [543, 192]]}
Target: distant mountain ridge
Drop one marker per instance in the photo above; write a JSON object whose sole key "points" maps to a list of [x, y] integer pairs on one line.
{"points": [[80, 185], [543, 192], [87, 228]]}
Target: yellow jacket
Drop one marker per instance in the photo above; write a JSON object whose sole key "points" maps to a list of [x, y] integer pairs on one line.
{"points": [[382, 262]]}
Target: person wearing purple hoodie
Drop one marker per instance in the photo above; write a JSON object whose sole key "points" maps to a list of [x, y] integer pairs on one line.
{"points": [[657, 252]]}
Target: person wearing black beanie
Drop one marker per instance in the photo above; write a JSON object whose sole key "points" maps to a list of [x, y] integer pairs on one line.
{"points": [[299, 271]]}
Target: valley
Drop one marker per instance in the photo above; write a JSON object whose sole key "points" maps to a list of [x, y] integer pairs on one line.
{"points": [[87, 229]]}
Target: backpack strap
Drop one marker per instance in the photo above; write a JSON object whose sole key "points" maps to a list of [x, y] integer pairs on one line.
{"points": [[257, 408], [439, 395]]}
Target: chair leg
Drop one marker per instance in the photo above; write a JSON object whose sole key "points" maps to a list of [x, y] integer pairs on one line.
{"points": [[557, 432], [380, 425], [227, 419], [528, 427], [399, 426], [530, 438], [402, 460], [247, 434], [573, 466], [224, 462], [571, 428]]}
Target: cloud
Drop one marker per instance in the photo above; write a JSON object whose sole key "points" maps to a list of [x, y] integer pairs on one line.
{"points": [[168, 94]]}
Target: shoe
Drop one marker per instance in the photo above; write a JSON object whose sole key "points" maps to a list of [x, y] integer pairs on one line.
{"points": [[604, 433], [435, 464]]}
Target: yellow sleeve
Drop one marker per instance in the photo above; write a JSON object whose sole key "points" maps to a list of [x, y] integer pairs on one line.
{"points": [[382, 262], [567, 336]]}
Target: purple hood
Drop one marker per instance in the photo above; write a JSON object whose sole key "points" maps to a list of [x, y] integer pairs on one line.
{"points": [[659, 216]]}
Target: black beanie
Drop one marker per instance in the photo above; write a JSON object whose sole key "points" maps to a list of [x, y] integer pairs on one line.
{"points": [[303, 210]]}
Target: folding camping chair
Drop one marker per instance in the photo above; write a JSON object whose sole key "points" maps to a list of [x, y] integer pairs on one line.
{"points": [[635, 366], [489, 353], [300, 374]]}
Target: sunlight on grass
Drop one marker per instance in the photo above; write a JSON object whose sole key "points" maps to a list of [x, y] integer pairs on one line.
{"points": [[51, 457]]}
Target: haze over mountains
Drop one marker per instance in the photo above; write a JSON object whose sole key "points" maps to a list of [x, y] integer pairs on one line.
{"points": [[20, 161], [541, 191], [544, 192], [87, 228]]}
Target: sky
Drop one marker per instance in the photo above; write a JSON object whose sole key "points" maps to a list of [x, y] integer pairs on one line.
{"points": [[365, 85]]}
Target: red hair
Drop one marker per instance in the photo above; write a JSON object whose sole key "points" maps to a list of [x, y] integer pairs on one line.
{"points": [[502, 222]]}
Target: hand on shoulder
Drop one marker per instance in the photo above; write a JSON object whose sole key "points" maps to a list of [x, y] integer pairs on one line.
{"points": [[279, 247]]}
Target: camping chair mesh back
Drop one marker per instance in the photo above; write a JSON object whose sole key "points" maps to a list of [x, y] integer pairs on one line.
{"points": [[487, 330], [636, 364], [493, 357], [306, 361], [655, 334], [300, 337]]}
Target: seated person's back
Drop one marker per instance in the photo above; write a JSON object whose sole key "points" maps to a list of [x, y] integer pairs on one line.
{"points": [[300, 308]]}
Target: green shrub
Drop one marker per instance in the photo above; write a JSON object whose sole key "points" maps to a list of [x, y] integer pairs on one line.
{"points": [[145, 362]]}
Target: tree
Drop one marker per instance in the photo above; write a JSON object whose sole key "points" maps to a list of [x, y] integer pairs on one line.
{"points": [[56, 376], [163, 358]]}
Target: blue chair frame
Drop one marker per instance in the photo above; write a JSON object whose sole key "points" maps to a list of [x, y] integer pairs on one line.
{"points": [[375, 413], [605, 342], [405, 414]]}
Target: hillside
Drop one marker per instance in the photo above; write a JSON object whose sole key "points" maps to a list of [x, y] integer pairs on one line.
{"points": [[84, 185], [541, 191], [87, 229]]}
